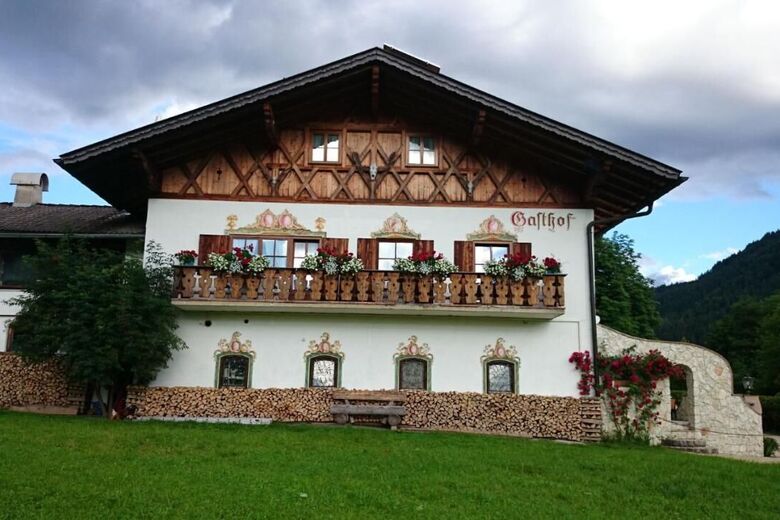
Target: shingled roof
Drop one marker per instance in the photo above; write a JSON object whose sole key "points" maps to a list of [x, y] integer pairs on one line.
{"points": [[59, 219]]}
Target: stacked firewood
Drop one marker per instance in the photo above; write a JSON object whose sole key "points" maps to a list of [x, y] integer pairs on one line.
{"points": [[25, 384], [279, 404], [590, 411], [525, 415]]}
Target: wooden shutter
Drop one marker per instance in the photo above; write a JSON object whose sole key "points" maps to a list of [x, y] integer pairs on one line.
{"points": [[521, 247], [422, 246], [212, 244], [368, 251], [464, 255], [340, 245]]}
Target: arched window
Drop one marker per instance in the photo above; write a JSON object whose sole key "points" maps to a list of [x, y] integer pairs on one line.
{"points": [[413, 365], [323, 371], [500, 377], [233, 371], [234, 359], [500, 365], [412, 374]]}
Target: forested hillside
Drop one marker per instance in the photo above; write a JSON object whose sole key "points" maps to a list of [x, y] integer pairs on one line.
{"points": [[690, 310]]}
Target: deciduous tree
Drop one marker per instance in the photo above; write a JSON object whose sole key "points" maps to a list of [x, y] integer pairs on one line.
{"points": [[109, 318]]}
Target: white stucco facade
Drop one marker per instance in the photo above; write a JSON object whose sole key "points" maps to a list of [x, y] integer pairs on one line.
{"points": [[369, 342]]}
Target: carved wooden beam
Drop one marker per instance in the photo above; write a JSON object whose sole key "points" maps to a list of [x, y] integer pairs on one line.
{"points": [[153, 175], [479, 128], [595, 179], [270, 124], [375, 91]]}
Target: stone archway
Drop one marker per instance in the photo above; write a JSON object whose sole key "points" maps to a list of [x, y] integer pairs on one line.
{"points": [[683, 398]]}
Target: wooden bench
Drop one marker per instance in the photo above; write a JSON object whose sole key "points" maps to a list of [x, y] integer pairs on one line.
{"points": [[385, 404]]}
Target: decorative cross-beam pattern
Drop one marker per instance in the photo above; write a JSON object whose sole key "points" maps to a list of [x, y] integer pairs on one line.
{"points": [[373, 167]]}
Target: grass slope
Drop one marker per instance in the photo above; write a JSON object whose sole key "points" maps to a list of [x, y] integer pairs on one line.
{"points": [[68, 467]]}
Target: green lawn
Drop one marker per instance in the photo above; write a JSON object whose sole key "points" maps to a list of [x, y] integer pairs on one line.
{"points": [[69, 467]]}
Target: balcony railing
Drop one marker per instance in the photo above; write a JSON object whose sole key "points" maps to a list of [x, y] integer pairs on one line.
{"points": [[368, 287]]}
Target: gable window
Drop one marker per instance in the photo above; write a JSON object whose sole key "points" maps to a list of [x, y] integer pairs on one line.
{"points": [[413, 374], [325, 147], [389, 251], [500, 377], [421, 150], [485, 252], [233, 372], [323, 372]]}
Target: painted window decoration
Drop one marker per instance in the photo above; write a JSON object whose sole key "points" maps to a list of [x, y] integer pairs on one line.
{"points": [[413, 365], [422, 150], [389, 251], [234, 359], [500, 366], [325, 147], [324, 360], [484, 253]]}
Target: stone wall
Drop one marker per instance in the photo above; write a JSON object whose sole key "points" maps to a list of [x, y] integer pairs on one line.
{"points": [[525, 415], [714, 413], [31, 384]]}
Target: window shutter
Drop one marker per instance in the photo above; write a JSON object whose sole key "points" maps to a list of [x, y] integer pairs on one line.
{"points": [[422, 246], [212, 244], [521, 247], [464, 255], [340, 245], [368, 251]]}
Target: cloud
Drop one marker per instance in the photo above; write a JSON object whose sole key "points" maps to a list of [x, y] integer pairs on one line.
{"points": [[720, 255], [695, 84], [669, 274]]}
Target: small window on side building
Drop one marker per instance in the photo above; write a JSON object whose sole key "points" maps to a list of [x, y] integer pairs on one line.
{"points": [[323, 372], [500, 377]]}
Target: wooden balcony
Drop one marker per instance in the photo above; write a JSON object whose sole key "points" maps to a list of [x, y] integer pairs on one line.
{"points": [[369, 292]]}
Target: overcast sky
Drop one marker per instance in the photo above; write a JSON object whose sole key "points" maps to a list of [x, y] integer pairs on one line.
{"points": [[693, 84]]}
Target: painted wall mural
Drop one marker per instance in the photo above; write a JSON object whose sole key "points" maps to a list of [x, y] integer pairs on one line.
{"points": [[395, 226], [492, 229], [268, 223]]}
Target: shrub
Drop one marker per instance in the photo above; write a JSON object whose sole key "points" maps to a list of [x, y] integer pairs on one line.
{"points": [[770, 446], [770, 406]]}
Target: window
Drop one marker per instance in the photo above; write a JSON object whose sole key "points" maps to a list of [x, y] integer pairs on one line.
{"points": [[500, 377], [246, 243], [280, 252], [485, 252], [422, 150], [233, 372], [275, 250], [390, 251], [412, 374], [323, 372], [304, 248], [325, 147]]}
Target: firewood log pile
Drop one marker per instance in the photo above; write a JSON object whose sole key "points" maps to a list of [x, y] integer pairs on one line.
{"points": [[590, 410], [279, 404], [25, 384], [525, 415]]}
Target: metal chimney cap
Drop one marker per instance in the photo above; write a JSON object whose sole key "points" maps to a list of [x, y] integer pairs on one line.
{"points": [[31, 179]]}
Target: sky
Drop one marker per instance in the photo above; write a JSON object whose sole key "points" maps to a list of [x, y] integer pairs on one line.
{"points": [[694, 84]]}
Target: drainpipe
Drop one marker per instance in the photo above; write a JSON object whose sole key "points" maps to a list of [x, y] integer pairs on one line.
{"points": [[592, 276]]}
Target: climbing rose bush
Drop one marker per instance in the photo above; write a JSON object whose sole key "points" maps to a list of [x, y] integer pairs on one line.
{"points": [[628, 385]]}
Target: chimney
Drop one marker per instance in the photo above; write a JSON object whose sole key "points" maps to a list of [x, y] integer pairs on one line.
{"points": [[29, 188]]}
